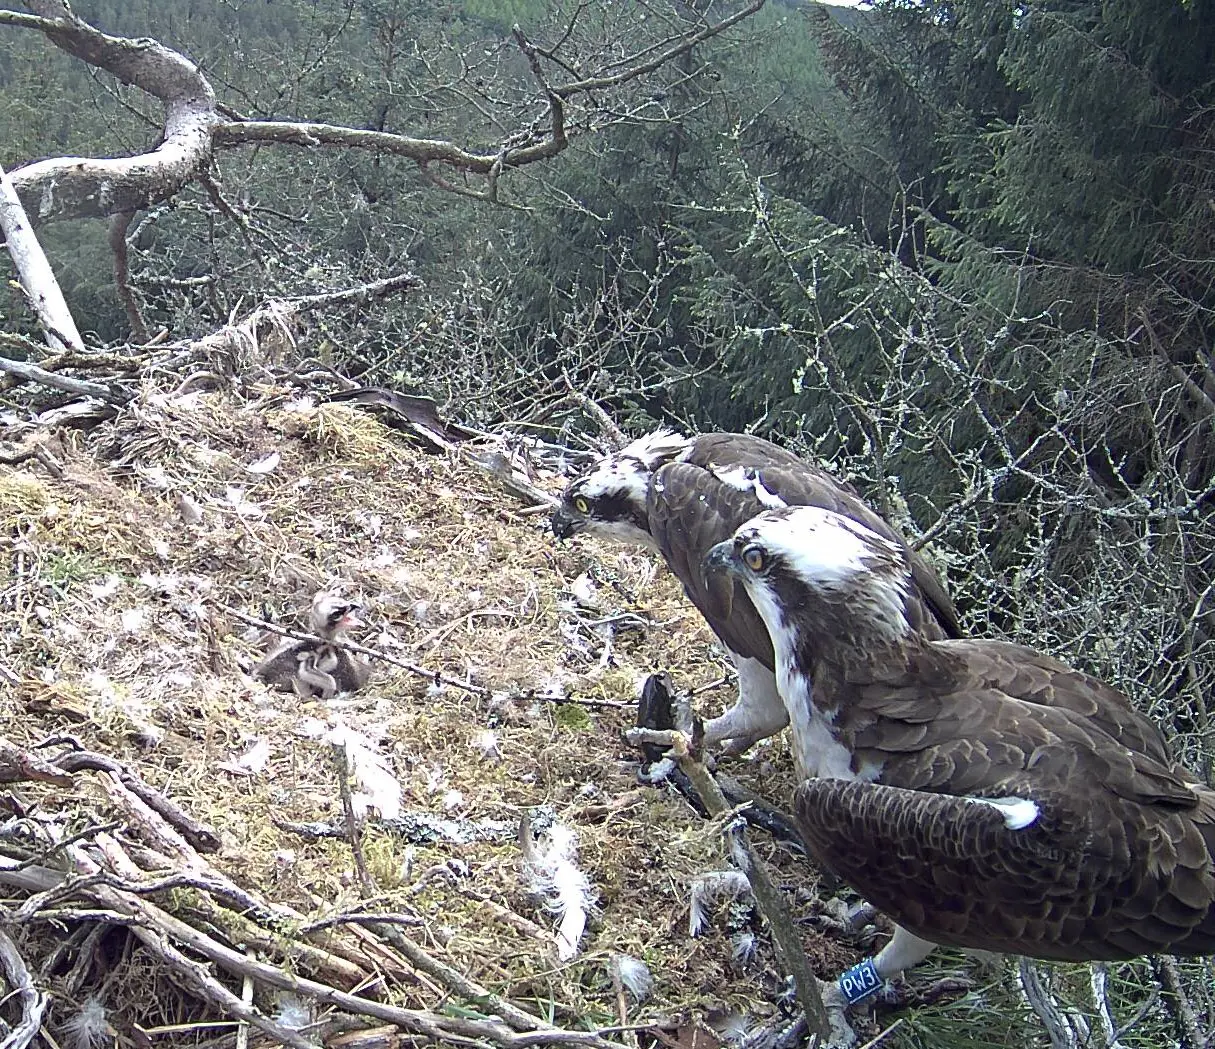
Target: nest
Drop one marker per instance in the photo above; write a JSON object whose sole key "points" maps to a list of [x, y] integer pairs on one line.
{"points": [[204, 869]]}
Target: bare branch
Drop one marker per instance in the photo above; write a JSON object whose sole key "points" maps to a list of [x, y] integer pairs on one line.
{"points": [[119, 224], [77, 187], [37, 278], [33, 1002], [80, 387], [662, 58]]}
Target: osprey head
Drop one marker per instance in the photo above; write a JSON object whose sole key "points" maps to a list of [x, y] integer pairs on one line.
{"points": [[805, 559], [332, 615], [610, 499]]}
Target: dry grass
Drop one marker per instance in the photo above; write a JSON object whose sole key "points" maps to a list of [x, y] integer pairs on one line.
{"points": [[113, 626]]}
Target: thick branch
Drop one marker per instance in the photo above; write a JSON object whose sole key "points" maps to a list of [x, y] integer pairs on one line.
{"points": [[80, 387], [42, 290], [422, 150], [119, 225], [78, 187]]}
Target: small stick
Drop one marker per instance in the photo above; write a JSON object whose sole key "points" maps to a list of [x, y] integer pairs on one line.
{"points": [[767, 895], [354, 833]]}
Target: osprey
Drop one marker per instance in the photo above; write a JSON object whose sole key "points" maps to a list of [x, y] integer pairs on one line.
{"points": [[981, 794], [318, 667], [680, 495]]}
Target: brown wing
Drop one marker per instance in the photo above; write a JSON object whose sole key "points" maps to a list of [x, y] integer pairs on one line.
{"points": [[954, 687], [1092, 877], [970, 716], [689, 512], [799, 483], [1006, 721], [744, 449], [690, 508]]}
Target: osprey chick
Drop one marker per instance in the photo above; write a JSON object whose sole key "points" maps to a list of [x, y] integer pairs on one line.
{"points": [[981, 794], [680, 495], [318, 667]]}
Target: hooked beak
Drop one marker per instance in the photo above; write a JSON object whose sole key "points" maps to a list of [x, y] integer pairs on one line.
{"points": [[565, 522], [720, 559], [349, 618]]}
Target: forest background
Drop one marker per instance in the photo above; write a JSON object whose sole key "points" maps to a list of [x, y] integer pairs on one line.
{"points": [[964, 252]]}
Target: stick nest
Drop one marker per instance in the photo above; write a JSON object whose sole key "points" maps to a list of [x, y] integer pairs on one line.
{"points": [[140, 550]]}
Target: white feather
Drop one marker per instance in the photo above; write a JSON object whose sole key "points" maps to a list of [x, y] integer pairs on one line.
{"points": [[709, 887], [380, 789], [742, 946], [551, 867], [633, 975], [1018, 813], [293, 1013], [660, 446], [734, 1027], [88, 1028], [747, 479], [486, 741], [266, 465], [585, 592]]}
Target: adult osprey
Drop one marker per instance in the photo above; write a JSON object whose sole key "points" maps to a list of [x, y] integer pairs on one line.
{"points": [[680, 495], [981, 794]]}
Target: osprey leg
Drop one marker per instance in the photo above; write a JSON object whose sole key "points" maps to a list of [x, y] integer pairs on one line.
{"points": [[904, 950], [758, 714]]}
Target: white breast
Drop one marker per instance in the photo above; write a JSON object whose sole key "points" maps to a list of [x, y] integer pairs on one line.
{"points": [[815, 749]]}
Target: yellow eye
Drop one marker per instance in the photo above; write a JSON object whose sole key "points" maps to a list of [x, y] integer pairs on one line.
{"points": [[753, 558], [581, 505]]}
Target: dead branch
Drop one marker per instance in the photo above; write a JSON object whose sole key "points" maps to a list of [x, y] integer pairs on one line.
{"points": [[80, 187], [166, 936], [498, 466], [1178, 1002], [358, 295], [328, 958], [242, 343], [418, 1021], [119, 224], [18, 765], [42, 290], [21, 985], [199, 835], [616, 437], [109, 394], [1065, 1027]]}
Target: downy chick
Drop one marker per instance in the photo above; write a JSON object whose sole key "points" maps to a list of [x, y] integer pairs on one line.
{"points": [[318, 667]]}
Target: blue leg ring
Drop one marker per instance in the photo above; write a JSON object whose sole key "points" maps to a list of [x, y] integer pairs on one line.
{"points": [[859, 982]]}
